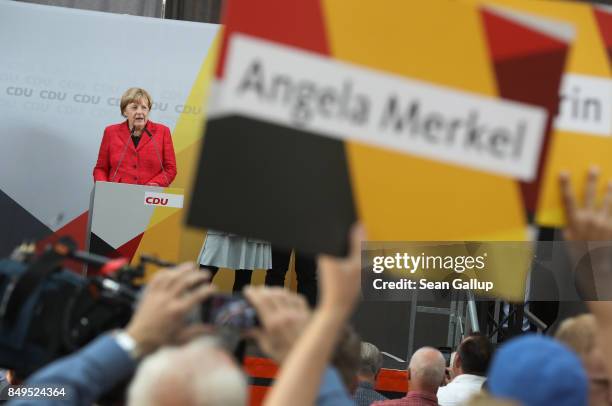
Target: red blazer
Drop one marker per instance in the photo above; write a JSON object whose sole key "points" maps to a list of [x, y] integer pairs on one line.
{"points": [[139, 165]]}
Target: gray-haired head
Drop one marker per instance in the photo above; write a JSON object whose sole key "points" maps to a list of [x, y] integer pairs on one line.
{"points": [[371, 360], [199, 373], [426, 369]]}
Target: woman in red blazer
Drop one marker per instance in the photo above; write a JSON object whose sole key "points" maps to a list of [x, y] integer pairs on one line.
{"points": [[137, 150]]}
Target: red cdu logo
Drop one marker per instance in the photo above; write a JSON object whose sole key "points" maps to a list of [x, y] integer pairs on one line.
{"points": [[163, 199], [156, 201]]}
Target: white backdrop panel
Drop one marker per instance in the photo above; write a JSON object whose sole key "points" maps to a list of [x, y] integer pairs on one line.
{"points": [[62, 73]]}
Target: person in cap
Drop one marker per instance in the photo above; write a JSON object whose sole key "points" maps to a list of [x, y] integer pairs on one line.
{"points": [[536, 370]]}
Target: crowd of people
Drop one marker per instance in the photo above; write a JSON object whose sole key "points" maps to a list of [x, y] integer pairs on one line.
{"points": [[169, 360]]}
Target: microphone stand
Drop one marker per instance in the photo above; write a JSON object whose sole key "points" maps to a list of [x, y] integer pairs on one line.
{"points": [[157, 152], [123, 153]]}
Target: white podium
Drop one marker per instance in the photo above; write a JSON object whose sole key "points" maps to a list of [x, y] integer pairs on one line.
{"points": [[120, 215]]}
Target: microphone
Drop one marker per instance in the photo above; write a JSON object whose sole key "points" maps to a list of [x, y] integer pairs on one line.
{"points": [[157, 152], [66, 247], [123, 153], [112, 266]]}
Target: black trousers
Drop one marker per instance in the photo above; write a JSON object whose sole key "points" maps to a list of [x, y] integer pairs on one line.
{"points": [[306, 270], [305, 267], [242, 277]]}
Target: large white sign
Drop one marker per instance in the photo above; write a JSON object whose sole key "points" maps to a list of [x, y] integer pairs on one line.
{"points": [[297, 88]]}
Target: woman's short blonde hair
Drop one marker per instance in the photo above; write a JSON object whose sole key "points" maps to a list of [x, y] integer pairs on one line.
{"points": [[133, 94]]}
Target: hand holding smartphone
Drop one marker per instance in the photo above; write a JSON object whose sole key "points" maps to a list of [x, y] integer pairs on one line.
{"points": [[229, 310]]}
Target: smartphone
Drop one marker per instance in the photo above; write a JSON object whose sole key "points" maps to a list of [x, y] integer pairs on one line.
{"points": [[229, 310]]}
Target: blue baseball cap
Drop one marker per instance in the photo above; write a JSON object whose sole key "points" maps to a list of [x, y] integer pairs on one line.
{"points": [[537, 371]]}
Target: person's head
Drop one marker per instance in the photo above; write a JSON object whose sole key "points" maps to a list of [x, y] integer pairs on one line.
{"points": [[135, 106], [346, 358], [473, 356], [371, 362], [199, 373], [426, 370], [537, 370], [579, 333]]}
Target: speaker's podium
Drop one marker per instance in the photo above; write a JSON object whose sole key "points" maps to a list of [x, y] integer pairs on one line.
{"points": [[121, 216]]}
